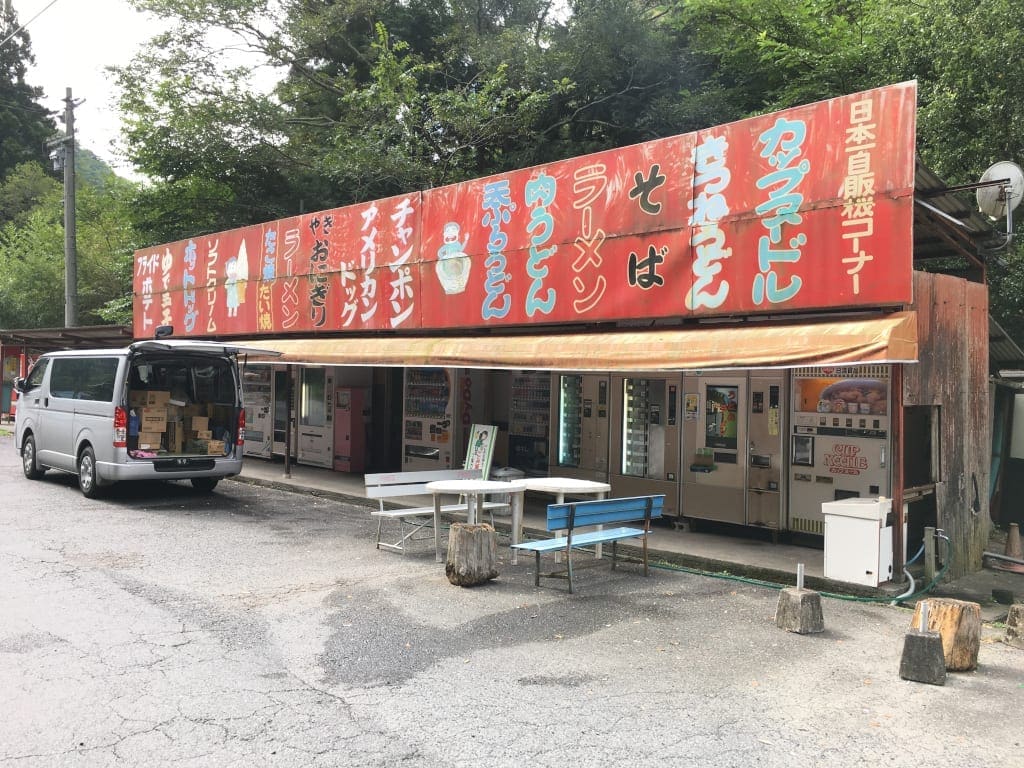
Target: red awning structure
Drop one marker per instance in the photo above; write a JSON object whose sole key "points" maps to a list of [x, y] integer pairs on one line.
{"points": [[886, 339]]}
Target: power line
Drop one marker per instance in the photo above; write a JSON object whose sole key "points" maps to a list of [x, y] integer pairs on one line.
{"points": [[22, 27], [37, 110]]}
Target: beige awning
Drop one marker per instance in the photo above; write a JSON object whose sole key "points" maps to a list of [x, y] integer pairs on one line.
{"points": [[888, 339]]}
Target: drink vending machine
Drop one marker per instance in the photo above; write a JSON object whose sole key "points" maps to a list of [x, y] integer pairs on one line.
{"points": [[841, 439], [256, 398], [316, 416], [440, 405], [528, 422]]}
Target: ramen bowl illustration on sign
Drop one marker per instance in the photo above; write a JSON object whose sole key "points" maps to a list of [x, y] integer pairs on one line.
{"points": [[453, 264]]}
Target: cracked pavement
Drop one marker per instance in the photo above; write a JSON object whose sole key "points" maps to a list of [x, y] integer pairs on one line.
{"points": [[256, 627]]}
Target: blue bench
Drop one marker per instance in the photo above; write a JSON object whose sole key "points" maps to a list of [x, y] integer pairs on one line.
{"points": [[579, 514]]}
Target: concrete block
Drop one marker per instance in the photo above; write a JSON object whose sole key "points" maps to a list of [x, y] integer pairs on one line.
{"points": [[1015, 626], [923, 660], [799, 610]]}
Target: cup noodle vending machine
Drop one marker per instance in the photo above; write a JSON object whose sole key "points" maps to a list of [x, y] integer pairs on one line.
{"points": [[841, 440]]}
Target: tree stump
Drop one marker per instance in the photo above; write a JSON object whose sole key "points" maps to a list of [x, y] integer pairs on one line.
{"points": [[958, 623], [472, 554], [1015, 626]]}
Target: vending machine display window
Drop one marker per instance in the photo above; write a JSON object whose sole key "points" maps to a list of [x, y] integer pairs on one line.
{"points": [[833, 394], [637, 417], [314, 406], [721, 409], [528, 421], [570, 413]]}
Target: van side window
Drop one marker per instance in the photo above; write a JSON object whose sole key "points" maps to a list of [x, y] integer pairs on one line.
{"points": [[84, 378], [35, 377]]}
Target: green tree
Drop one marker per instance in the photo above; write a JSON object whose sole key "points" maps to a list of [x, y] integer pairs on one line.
{"points": [[32, 252], [965, 56], [32, 269], [24, 124], [24, 187], [380, 97]]}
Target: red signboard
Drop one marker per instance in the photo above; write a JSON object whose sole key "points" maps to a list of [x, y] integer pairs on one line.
{"points": [[809, 208]]}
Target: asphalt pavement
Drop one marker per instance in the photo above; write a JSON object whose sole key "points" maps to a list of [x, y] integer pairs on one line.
{"points": [[259, 627]]}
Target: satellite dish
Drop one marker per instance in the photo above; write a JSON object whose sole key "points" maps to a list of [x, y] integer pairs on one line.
{"points": [[997, 199]]}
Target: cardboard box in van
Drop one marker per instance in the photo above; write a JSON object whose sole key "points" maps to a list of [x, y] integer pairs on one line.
{"points": [[156, 397], [153, 419], [199, 423], [150, 441]]}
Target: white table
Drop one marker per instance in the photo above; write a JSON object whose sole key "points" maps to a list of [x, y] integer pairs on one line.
{"points": [[474, 491], [560, 486]]}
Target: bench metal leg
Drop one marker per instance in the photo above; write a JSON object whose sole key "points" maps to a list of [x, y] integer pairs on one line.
{"points": [[536, 569], [407, 531], [568, 564], [437, 526]]}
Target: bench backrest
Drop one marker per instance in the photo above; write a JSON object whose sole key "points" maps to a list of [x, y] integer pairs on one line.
{"points": [[604, 511], [387, 484]]}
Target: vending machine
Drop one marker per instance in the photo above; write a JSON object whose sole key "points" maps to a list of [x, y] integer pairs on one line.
{"points": [[646, 438], [766, 441], [285, 384], [351, 425], [529, 420], [430, 430], [714, 458], [257, 400], [316, 417], [579, 425], [841, 439]]}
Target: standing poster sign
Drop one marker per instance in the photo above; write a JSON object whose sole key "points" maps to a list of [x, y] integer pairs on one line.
{"points": [[480, 448]]}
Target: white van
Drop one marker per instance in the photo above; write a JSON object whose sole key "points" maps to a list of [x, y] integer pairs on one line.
{"points": [[162, 409]]}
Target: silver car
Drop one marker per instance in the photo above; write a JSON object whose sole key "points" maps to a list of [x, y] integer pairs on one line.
{"points": [[162, 409]]}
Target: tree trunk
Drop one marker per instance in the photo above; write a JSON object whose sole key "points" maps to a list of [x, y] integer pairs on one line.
{"points": [[958, 622], [472, 554]]}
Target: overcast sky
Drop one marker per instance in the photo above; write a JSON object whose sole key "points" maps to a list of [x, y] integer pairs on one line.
{"points": [[73, 41]]}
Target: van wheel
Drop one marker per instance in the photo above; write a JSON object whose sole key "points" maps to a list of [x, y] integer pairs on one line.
{"points": [[28, 459], [87, 481], [204, 484]]}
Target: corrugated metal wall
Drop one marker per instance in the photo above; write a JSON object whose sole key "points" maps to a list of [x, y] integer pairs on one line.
{"points": [[953, 375]]}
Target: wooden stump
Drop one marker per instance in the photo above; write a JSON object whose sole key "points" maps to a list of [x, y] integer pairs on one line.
{"points": [[1015, 626], [472, 554], [958, 622]]}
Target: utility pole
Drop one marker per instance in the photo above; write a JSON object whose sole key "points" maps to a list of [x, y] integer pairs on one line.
{"points": [[70, 240], [64, 152]]}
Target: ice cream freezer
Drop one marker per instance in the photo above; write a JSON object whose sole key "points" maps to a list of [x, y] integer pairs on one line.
{"points": [[859, 540]]}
